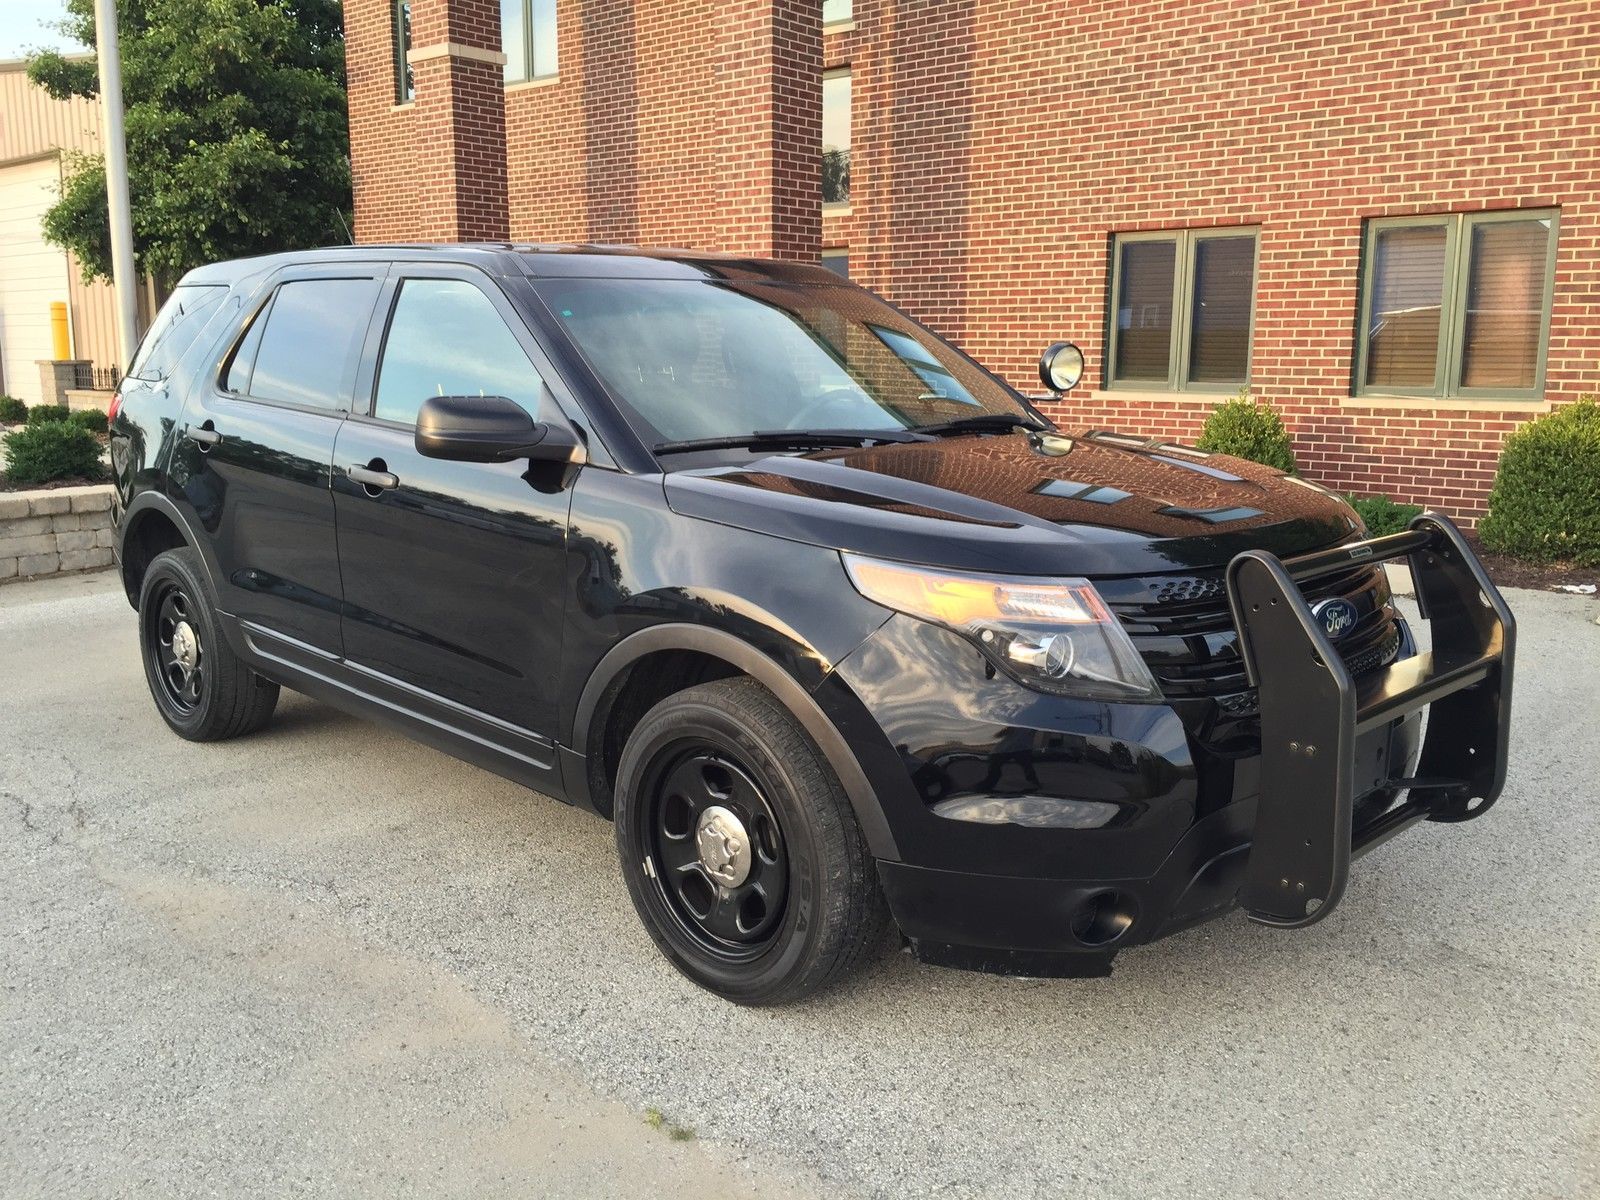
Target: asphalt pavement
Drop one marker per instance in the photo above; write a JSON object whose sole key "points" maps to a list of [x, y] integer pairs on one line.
{"points": [[324, 960]]}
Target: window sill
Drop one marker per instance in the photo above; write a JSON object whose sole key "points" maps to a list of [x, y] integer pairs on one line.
{"points": [[523, 85], [1163, 397], [403, 106], [839, 27], [836, 208], [1447, 403]]}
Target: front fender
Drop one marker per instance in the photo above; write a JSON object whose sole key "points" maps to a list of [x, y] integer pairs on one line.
{"points": [[644, 579], [720, 644]]}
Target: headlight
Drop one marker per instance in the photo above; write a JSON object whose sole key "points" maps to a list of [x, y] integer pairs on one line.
{"points": [[1051, 634]]}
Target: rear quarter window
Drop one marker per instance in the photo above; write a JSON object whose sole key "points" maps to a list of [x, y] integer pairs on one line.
{"points": [[175, 328]]}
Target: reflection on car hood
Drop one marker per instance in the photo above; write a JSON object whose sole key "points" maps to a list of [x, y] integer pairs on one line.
{"points": [[1032, 504]]}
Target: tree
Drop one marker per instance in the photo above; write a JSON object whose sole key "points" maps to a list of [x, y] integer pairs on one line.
{"points": [[237, 134]]}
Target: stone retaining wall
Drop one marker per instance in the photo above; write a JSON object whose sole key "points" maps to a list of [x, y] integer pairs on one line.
{"points": [[53, 530]]}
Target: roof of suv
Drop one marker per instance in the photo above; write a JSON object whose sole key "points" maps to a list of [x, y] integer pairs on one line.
{"points": [[562, 260]]}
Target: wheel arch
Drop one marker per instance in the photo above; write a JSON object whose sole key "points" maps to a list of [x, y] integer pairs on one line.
{"points": [[656, 662], [151, 525]]}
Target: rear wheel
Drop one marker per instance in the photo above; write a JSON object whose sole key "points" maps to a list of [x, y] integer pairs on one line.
{"points": [[203, 691], [739, 848]]}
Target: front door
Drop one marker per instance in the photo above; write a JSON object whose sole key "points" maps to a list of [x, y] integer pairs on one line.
{"points": [[253, 464], [452, 571]]}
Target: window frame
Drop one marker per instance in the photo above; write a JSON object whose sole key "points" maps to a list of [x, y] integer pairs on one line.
{"points": [[405, 84], [530, 75], [841, 207], [1186, 244], [1449, 357]]}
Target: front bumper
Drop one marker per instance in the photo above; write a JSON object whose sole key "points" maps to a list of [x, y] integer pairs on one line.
{"points": [[1049, 927], [1060, 902]]}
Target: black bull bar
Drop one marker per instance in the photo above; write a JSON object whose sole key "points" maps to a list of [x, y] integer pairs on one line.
{"points": [[1312, 712]]}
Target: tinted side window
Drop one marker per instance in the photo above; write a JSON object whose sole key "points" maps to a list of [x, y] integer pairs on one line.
{"points": [[446, 339], [176, 326], [302, 349]]}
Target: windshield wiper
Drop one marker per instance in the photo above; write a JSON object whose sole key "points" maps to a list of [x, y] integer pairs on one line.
{"points": [[984, 423], [791, 439]]}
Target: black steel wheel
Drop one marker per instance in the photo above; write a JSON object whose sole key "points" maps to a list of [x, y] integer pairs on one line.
{"points": [[717, 850], [179, 655], [739, 847], [202, 689]]}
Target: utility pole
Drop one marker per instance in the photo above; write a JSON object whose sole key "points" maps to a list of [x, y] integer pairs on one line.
{"points": [[116, 153]]}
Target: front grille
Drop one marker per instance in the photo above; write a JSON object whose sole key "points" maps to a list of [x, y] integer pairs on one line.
{"points": [[1183, 627]]}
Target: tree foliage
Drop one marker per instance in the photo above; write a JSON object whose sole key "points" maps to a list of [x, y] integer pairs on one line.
{"points": [[236, 126]]}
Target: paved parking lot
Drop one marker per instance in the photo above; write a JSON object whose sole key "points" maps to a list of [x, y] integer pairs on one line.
{"points": [[325, 960]]}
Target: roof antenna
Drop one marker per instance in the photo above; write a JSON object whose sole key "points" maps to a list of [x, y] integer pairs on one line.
{"points": [[349, 238]]}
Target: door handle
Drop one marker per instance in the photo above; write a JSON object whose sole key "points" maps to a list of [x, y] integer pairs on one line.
{"points": [[205, 436], [368, 478]]}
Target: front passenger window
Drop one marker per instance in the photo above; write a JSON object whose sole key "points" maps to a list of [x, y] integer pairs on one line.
{"points": [[446, 339]]}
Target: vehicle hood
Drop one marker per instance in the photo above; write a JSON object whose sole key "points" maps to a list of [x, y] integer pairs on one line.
{"points": [[1023, 503]]}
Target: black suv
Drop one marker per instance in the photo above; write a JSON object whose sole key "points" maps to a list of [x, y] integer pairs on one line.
{"points": [[831, 622]]}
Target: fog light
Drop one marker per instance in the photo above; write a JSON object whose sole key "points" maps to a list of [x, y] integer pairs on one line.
{"points": [[1033, 812]]}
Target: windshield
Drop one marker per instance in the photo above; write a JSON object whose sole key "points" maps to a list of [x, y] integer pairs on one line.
{"points": [[690, 359]]}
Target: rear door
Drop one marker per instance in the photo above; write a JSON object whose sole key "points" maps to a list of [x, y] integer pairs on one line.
{"points": [[254, 460], [453, 576]]}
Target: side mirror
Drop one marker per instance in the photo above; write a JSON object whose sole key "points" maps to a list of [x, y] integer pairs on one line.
{"points": [[1061, 367], [490, 429]]}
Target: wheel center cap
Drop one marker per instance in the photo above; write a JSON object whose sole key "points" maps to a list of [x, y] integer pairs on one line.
{"points": [[185, 646], [724, 846]]}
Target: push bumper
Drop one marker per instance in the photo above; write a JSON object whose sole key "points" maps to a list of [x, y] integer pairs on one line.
{"points": [[1283, 854]]}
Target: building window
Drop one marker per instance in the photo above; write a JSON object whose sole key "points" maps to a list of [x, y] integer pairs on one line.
{"points": [[405, 76], [837, 260], [836, 12], [836, 138], [1457, 305], [1182, 309], [528, 37]]}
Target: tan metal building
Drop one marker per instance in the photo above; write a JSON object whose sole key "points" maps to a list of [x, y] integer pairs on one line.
{"points": [[36, 131]]}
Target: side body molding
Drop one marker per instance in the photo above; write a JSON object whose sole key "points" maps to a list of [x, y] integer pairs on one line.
{"points": [[799, 702]]}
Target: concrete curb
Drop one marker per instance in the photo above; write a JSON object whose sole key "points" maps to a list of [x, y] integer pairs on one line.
{"points": [[54, 530]]}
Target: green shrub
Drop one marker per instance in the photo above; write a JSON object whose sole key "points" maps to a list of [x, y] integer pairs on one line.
{"points": [[40, 413], [1382, 515], [53, 450], [1245, 429], [12, 410], [92, 419], [1546, 499]]}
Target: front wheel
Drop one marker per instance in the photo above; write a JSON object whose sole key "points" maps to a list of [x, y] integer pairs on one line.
{"points": [[739, 847]]}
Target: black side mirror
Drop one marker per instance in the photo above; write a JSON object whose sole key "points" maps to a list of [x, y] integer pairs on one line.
{"points": [[490, 429], [1061, 367]]}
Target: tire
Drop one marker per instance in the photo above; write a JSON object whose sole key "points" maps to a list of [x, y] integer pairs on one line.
{"points": [[816, 912], [202, 689]]}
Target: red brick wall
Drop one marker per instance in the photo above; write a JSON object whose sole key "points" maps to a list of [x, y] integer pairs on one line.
{"points": [[998, 145], [434, 169], [676, 124]]}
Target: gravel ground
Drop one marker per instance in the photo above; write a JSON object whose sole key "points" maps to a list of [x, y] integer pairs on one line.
{"points": [[327, 960]]}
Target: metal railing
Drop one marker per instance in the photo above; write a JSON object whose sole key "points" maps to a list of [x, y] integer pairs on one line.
{"points": [[89, 377]]}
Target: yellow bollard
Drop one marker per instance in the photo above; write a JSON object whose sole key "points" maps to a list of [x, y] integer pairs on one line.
{"points": [[60, 338]]}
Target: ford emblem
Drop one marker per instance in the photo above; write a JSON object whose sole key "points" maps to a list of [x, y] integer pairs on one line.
{"points": [[1336, 615]]}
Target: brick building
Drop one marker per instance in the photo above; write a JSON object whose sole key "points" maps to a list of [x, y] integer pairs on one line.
{"points": [[1384, 217]]}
